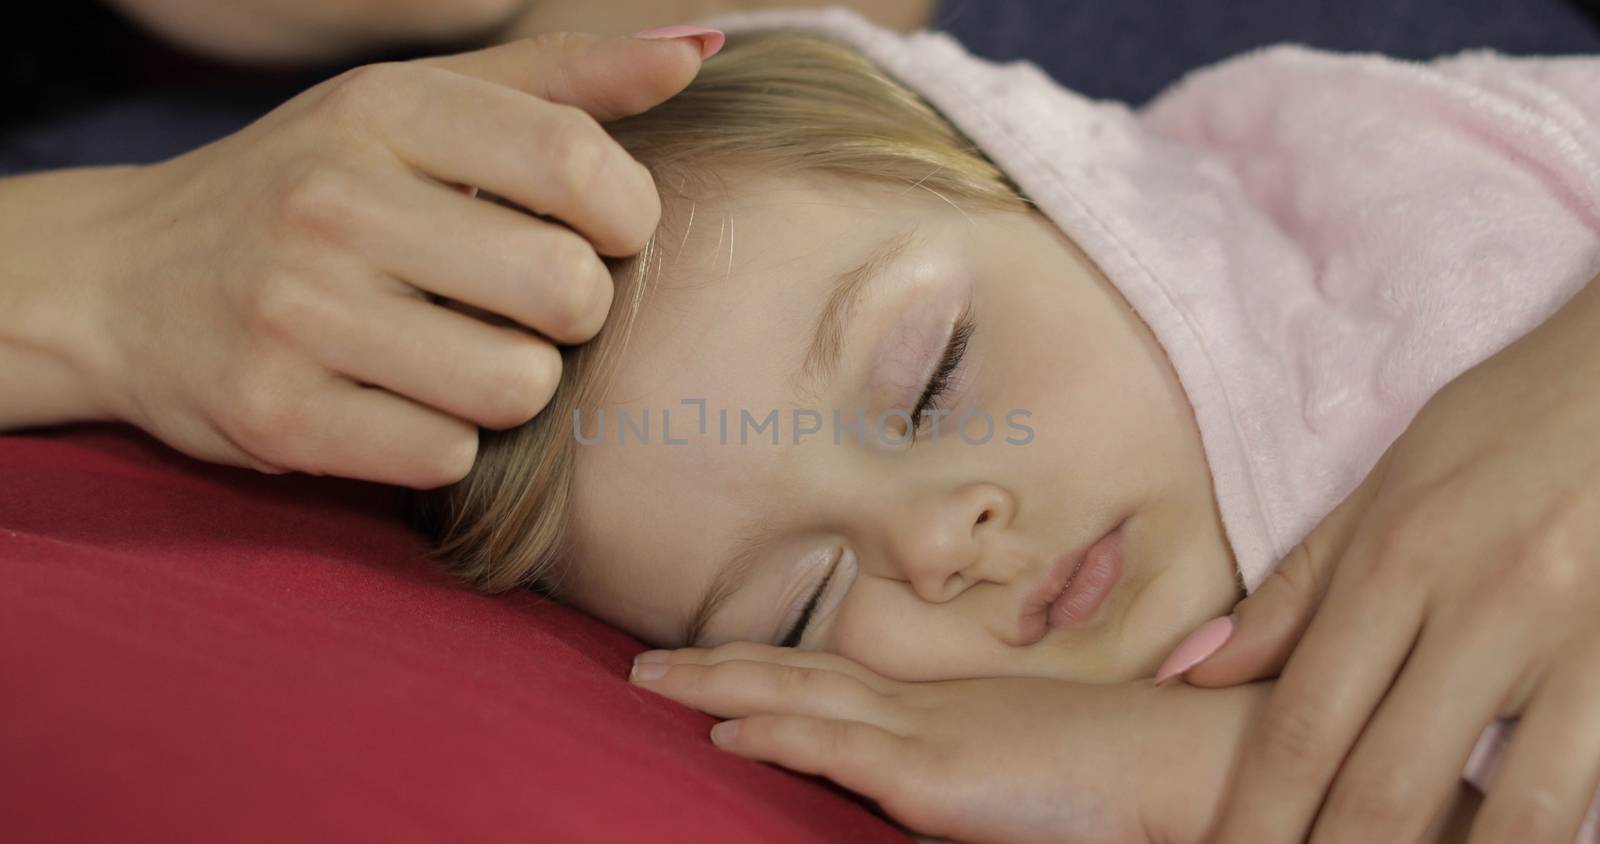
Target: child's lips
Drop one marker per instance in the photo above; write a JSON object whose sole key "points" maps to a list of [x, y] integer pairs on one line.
{"points": [[1073, 588], [1093, 582]]}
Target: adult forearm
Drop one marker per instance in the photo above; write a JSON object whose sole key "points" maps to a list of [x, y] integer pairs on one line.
{"points": [[57, 233]]}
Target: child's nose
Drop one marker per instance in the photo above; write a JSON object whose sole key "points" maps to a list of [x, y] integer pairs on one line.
{"points": [[941, 541]]}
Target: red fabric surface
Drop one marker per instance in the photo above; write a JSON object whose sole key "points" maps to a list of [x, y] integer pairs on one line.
{"points": [[196, 653]]}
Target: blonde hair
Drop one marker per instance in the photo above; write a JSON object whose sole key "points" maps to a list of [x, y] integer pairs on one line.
{"points": [[776, 102]]}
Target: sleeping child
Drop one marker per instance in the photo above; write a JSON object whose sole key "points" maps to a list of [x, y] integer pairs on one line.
{"points": [[941, 369]]}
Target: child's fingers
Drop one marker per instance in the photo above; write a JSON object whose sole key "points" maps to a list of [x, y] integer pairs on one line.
{"points": [[739, 688], [757, 652], [861, 757]]}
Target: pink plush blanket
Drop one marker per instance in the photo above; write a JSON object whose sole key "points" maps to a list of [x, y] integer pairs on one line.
{"points": [[1319, 241]]}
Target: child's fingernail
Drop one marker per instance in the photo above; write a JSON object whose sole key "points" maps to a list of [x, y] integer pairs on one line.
{"points": [[724, 732], [710, 40], [1192, 651], [648, 671], [652, 656]]}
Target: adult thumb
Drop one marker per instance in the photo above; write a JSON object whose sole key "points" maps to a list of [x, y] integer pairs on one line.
{"points": [[606, 77], [1255, 640]]}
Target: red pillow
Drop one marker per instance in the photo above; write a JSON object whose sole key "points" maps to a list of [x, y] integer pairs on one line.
{"points": [[196, 653]]}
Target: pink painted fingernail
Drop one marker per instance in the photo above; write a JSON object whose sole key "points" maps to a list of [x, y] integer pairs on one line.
{"points": [[724, 732], [648, 671], [710, 40], [1192, 651], [652, 656]]}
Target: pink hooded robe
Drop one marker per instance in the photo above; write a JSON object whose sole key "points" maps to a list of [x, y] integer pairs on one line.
{"points": [[1318, 241]]}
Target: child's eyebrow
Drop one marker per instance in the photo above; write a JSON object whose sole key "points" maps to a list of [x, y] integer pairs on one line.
{"points": [[828, 335], [820, 363]]}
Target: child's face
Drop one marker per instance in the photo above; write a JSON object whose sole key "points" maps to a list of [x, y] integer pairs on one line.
{"points": [[939, 545]]}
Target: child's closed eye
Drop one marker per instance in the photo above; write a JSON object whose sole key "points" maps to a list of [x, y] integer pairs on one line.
{"points": [[840, 577], [942, 377]]}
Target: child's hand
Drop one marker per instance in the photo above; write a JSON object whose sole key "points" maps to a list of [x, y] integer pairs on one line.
{"points": [[1011, 759]]}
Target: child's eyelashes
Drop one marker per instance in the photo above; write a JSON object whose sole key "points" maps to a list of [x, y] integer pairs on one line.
{"points": [[798, 631], [940, 380], [841, 576]]}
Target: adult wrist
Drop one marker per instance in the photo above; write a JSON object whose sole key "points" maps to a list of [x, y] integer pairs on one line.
{"points": [[64, 234]]}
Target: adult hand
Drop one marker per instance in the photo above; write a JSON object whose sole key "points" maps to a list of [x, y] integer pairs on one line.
{"points": [[1005, 759], [269, 302], [1458, 584]]}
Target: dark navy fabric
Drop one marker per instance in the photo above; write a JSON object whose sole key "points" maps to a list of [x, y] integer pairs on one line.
{"points": [[135, 130], [1119, 49], [1130, 49]]}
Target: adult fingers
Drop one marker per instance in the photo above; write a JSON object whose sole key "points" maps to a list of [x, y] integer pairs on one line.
{"points": [[606, 77], [755, 651], [549, 158], [1269, 624], [861, 757], [541, 275], [740, 688], [337, 427], [1329, 688], [1399, 776], [493, 376], [1550, 778]]}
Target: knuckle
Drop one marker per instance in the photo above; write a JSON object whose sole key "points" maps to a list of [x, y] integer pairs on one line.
{"points": [[320, 200], [1297, 573], [527, 386], [649, 207], [593, 289], [251, 420], [1290, 740], [355, 92], [1377, 807], [1545, 572], [267, 423], [639, 217], [1415, 518], [453, 459], [720, 678], [582, 290], [1391, 544], [838, 738], [577, 152], [284, 303], [1398, 551], [775, 732], [795, 680], [602, 295], [1287, 589], [1553, 560]]}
